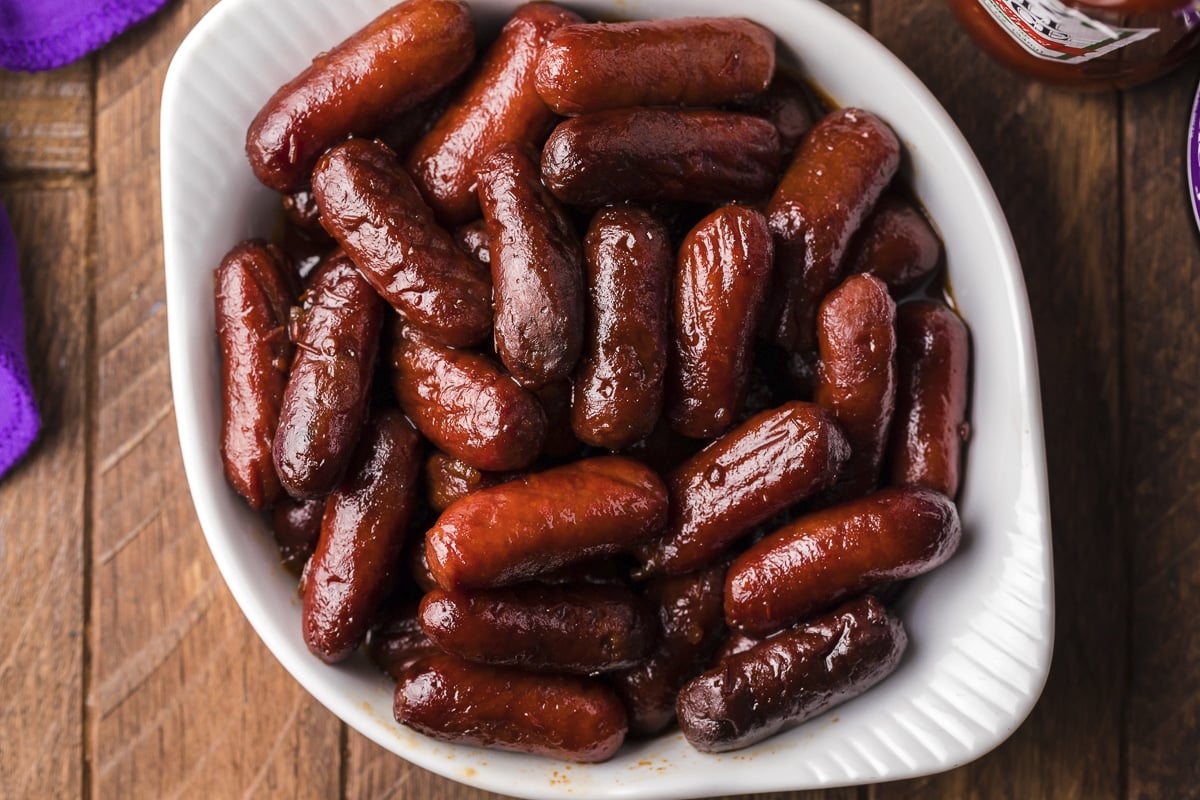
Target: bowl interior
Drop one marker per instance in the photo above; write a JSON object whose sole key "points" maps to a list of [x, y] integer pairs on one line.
{"points": [[980, 627]]}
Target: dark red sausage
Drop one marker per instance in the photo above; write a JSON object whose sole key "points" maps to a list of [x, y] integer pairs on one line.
{"points": [[499, 104], [791, 677], [448, 479], [664, 449], [326, 397], [296, 525], [768, 463], [825, 557], [578, 630], [474, 240], [253, 299], [370, 205], [736, 642], [788, 105], [934, 352], [558, 716], [618, 391], [465, 404], [401, 58], [691, 621], [537, 269], [300, 209], [398, 641], [647, 155], [856, 376], [362, 534], [539, 523], [896, 245], [720, 286], [665, 62]]}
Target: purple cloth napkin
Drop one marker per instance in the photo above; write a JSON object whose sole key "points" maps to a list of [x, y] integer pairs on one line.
{"points": [[18, 415], [44, 34]]}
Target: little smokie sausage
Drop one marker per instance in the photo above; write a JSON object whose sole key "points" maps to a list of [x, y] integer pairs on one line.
{"points": [[474, 240], [791, 677], [579, 630], [448, 479], [842, 167], [465, 404], [647, 155], [691, 621], [720, 285], [856, 374], [499, 104], [362, 534], [558, 716], [768, 463], [326, 397], [618, 392], [405, 56], [253, 300], [788, 105], [296, 526], [539, 523], [896, 245], [931, 402], [370, 205], [398, 641], [537, 269], [824, 557], [665, 62]]}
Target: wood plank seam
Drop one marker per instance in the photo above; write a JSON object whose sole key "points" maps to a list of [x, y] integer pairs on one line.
{"points": [[91, 434]]}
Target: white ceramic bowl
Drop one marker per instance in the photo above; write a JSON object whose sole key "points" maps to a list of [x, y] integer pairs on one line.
{"points": [[981, 627]]}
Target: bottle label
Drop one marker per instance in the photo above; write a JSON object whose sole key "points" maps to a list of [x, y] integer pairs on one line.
{"points": [[1055, 32]]}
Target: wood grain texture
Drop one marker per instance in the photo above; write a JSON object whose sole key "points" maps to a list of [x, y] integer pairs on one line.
{"points": [[42, 503], [1052, 158], [1162, 444], [46, 120]]}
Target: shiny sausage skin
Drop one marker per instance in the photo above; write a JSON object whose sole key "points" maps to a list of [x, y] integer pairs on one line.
{"points": [[825, 557], [720, 286], [371, 207], [736, 642], [896, 245], [418, 565], [325, 401], [577, 630], [647, 155], [842, 167], [558, 716], [618, 388], [474, 240], [300, 209], [542, 522], [362, 534], [465, 404], [791, 677], [788, 105], [537, 270], [499, 104], [398, 641], [856, 376], [934, 352], [666, 62], [296, 526], [768, 463], [448, 479], [253, 300], [404, 56], [691, 620]]}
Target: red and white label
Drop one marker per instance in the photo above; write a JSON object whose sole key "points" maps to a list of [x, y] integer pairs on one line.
{"points": [[1055, 32]]}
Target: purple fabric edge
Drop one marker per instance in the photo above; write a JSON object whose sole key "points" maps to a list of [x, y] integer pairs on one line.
{"points": [[1193, 157], [22, 428], [62, 47]]}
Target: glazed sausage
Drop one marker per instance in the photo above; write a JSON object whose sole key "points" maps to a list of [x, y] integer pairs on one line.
{"points": [[397, 641], [371, 207], [618, 391], [896, 245], [665, 62], [325, 401], [498, 105], [691, 621], [539, 523], [791, 677], [300, 209], [768, 463], [474, 240], [856, 374], [842, 167], [403, 57], [558, 716], [931, 401], [578, 630], [418, 565], [825, 557], [465, 404], [362, 534], [736, 642], [296, 526], [720, 286], [448, 479], [253, 299], [537, 270], [788, 105], [647, 155]]}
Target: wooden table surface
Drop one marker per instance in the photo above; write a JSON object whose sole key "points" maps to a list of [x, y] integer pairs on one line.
{"points": [[128, 671]]}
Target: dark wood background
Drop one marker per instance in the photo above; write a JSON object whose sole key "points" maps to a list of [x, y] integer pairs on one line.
{"points": [[129, 672]]}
